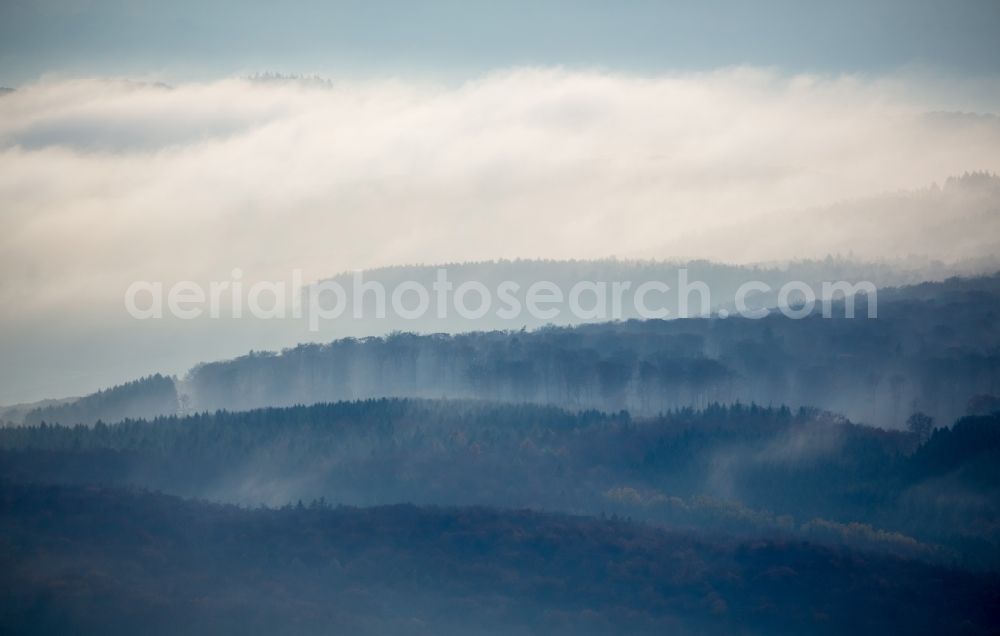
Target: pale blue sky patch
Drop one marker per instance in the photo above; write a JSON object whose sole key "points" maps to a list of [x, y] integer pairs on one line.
{"points": [[190, 39]]}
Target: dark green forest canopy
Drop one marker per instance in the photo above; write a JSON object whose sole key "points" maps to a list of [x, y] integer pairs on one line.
{"points": [[738, 468], [103, 561], [661, 516]]}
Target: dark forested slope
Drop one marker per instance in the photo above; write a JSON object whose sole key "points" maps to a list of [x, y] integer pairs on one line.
{"points": [[744, 469], [931, 349], [147, 397], [98, 561]]}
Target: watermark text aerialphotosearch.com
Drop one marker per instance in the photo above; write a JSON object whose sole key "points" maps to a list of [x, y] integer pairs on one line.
{"points": [[443, 298]]}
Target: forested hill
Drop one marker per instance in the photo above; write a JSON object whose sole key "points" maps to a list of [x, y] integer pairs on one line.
{"points": [[147, 397], [100, 561], [748, 470], [723, 280], [933, 348]]}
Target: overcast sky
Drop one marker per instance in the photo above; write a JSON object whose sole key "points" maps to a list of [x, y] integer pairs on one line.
{"points": [[185, 39], [136, 148]]}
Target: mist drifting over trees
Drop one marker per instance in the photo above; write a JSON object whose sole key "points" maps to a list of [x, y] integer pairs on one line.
{"points": [[499, 319]]}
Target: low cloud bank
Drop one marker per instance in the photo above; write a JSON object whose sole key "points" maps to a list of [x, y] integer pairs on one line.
{"points": [[105, 181]]}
